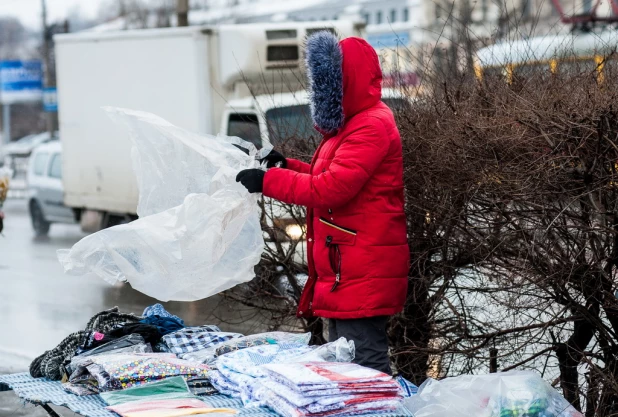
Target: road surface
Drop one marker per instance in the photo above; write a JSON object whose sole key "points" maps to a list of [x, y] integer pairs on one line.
{"points": [[39, 305]]}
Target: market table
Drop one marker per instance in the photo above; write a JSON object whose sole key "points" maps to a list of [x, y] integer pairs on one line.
{"points": [[43, 392]]}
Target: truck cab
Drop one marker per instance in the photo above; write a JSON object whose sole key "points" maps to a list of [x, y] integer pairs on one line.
{"points": [[279, 118]]}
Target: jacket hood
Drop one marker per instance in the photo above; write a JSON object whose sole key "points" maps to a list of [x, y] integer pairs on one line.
{"points": [[344, 79]]}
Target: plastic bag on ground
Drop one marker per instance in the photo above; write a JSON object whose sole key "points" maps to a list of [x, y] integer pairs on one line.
{"points": [[512, 394], [199, 231]]}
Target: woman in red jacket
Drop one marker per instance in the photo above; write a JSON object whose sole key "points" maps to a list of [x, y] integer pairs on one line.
{"points": [[353, 190]]}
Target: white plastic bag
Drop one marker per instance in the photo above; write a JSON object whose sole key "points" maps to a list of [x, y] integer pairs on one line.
{"points": [[513, 394], [199, 231]]}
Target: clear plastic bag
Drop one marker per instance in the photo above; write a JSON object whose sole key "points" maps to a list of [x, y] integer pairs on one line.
{"points": [[199, 231], [341, 350], [512, 394]]}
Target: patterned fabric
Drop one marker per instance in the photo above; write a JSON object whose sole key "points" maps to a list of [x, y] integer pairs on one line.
{"points": [[44, 391], [159, 310], [191, 339], [248, 361], [121, 371], [241, 344], [310, 389], [327, 396], [320, 375], [208, 355], [49, 364], [409, 389], [240, 372], [343, 408], [165, 325]]}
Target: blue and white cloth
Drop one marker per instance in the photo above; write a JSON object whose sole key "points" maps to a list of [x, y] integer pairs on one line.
{"points": [[239, 371], [192, 339], [408, 388], [159, 310]]}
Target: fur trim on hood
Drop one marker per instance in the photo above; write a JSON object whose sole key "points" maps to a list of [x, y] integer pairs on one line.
{"points": [[324, 68]]}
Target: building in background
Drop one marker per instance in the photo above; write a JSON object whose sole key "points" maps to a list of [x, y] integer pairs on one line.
{"points": [[393, 27]]}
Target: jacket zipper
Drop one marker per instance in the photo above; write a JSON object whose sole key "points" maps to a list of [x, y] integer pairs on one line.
{"points": [[334, 255]]}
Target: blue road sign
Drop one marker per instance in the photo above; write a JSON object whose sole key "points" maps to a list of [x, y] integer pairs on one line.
{"points": [[21, 81], [50, 100]]}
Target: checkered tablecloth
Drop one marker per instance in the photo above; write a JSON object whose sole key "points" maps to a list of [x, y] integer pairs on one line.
{"points": [[45, 391]]}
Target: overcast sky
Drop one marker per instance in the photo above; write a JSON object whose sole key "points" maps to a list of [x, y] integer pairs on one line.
{"points": [[29, 11]]}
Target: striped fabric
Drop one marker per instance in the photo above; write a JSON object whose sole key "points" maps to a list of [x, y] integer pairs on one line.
{"points": [[44, 391]]}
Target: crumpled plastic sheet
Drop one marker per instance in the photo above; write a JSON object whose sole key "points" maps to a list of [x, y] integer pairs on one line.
{"points": [[512, 394], [199, 231]]}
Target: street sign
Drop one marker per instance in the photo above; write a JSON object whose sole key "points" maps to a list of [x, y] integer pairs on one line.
{"points": [[50, 100], [20, 81], [388, 40]]}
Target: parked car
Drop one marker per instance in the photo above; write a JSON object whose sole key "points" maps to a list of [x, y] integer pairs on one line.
{"points": [[45, 190], [15, 155]]}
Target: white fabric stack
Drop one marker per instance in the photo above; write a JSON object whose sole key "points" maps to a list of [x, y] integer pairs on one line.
{"points": [[324, 389], [240, 372]]}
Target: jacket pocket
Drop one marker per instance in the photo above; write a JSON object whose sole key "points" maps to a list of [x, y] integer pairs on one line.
{"points": [[335, 236], [338, 235]]}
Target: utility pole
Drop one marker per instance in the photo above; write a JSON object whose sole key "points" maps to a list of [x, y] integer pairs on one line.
{"points": [[182, 12], [49, 81]]}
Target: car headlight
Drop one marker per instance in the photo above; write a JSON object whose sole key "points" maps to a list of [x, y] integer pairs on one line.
{"points": [[295, 231], [287, 229]]}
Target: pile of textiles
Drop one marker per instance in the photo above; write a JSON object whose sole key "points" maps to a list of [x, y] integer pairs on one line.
{"points": [[107, 331], [212, 352], [193, 339], [238, 373], [117, 371], [167, 398], [50, 363], [153, 365], [321, 389]]}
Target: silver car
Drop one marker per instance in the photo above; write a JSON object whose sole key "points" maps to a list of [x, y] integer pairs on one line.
{"points": [[45, 191]]}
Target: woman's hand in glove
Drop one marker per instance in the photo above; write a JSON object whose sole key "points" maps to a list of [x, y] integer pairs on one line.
{"points": [[252, 179], [274, 158]]}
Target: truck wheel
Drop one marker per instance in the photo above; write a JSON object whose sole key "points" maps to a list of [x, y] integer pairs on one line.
{"points": [[39, 224]]}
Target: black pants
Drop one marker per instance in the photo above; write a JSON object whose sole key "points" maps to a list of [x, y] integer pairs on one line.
{"points": [[370, 340]]}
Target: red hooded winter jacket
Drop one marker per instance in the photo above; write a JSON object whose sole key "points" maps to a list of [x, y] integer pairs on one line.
{"points": [[356, 228]]}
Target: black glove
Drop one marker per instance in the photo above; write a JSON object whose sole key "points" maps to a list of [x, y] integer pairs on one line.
{"points": [[252, 179], [273, 158]]}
